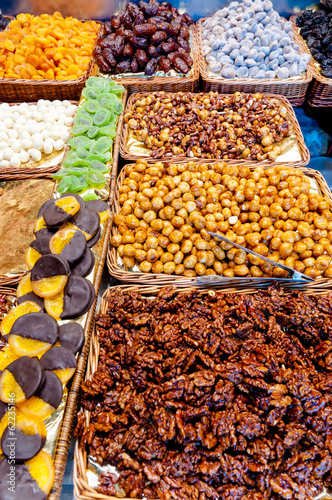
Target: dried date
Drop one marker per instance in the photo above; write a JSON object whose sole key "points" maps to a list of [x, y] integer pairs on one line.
{"points": [[109, 56], [151, 66], [159, 36], [186, 57], [169, 47], [103, 64], [141, 57], [145, 30], [164, 64], [118, 46], [139, 19], [134, 65], [123, 67], [128, 51], [140, 43], [180, 65], [152, 51], [183, 43], [132, 9]]}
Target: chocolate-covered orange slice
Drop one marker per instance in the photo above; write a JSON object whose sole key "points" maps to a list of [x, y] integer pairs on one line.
{"points": [[60, 211], [26, 487], [84, 266], [41, 468], [71, 336], [31, 257], [7, 355], [25, 292], [101, 207], [21, 379], [28, 435], [78, 198], [20, 310], [88, 221], [33, 334], [60, 361], [73, 301], [49, 275], [42, 241], [95, 238], [43, 207], [40, 224], [46, 400], [69, 243]]}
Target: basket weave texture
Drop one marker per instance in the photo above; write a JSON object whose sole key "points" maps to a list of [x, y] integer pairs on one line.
{"points": [[139, 278], [305, 156], [294, 89]]}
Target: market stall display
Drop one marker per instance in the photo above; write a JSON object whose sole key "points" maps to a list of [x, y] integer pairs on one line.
{"points": [[247, 46], [88, 160], [210, 126], [33, 137], [314, 30], [197, 392]]}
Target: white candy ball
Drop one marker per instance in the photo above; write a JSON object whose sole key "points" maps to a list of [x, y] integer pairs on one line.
{"points": [[26, 144], [35, 154], [45, 134], [4, 144], [55, 134], [24, 156], [59, 144], [71, 110], [8, 122], [37, 116], [25, 135], [13, 133], [48, 146], [7, 153], [47, 126], [66, 104], [3, 136], [38, 143], [69, 121], [1, 155], [21, 120], [15, 115], [28, 115], [64, 136], [15, 161], [16, 146], [48, 118], [5, 164], [11, 140]]}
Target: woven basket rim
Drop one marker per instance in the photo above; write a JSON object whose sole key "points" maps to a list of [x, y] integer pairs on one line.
{"points": [[290, 114], [167, 80], [250, 81], [162, 279], [82, 490]]}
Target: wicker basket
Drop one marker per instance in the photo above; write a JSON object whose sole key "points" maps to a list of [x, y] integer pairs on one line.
{"points": [[168, 83], [305, 156], [115, 153], [320, 89], [140, 278], [294, 88], [82, 489], [14, 90], [23, 172]]}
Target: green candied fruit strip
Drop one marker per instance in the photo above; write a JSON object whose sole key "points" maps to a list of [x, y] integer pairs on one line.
{"points": [[103, 145], [95, 179], [107, 101], [118, 107], [82, 112], [102, 117], [98, 166], [106, 157], [79, 163], [90, 93], [92, 106], [77, 170], [83, 120], [81, 153], [107, 131], [92, 132], [65, 184], [79, 130], [97, 82], [60, 174], [71, 154], [90, 197], [80, 142], [117, 89], [68, 161], [79, 184]]}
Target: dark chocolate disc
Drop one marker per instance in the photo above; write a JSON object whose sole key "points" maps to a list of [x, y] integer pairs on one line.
{"points": [[92, 241], [78, 198], [28, 373], [97, 205], [31, 296], [43, 207], [3, 409], [84, 266], [58, 358], [54, 215], [26, 445], [75, 249], [49, 265], [36, 326], [76, 298], [87, 220], [20, 485], [42, 241], [71, 336], [51, 391]]}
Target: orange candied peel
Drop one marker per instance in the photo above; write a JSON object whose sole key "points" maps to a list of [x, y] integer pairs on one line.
{"points": [[46, 47]]}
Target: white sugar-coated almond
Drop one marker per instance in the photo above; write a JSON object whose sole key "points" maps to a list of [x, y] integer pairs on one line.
{"points": [[71, 110], [11, 140], [38, 142], [48, 146], [66, 104], [3, 136], [42, 108], [15, 161], [7, 153], [64, 135], [48, 126], [35, 154], [3, 145], [36, 115], [27, 144], [15, 115], [16, 146], [21, 120], [4, 164], [24, 156], [45, 134], [69, 121], [12, 133], [59, 145], [55, 134], [25, 135], [8, 122], [48, 118], [56, 102], [5, 106]]}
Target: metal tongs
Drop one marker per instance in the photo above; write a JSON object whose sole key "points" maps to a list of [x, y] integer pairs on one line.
{"points": [[293, 275]]}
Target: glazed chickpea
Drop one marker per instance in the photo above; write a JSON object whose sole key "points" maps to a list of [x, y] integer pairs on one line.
{"points": [[218, 267], [145, 266], [267, 234], [323, 262], [128, 237], [318, 250], [240, 257], [200, 269], [320, 222], [157, 203], [176, 236], [190, 262], [122, 229], [119, 219], [299, 266], [241, 270], [178, 257], [306, 254], [167, 229], [265, 222], [256, 271], [289, 237], [149, 216], [328, 272], [210, 258], [140, 255], [128, 262], [318, 234], [202, 256], [179, 269], [183, 213], [253, 239], [229, 273], [151, 242], [169, 268], [126, 209], [122, 198], [177, 221], [295, 213], [185, 189], [261, 249], [264, 211], [173, 248], [201, 244], [190, 206], [219, 253], [285, 250], [166, 257], [309, 262], [116, 240], [328, 249], [275, 210], [157, 225], [189, 273], [177, 204], [129, 250], [120, 251], [304, 229], [138, 212], [312, 272], [300, 247]]}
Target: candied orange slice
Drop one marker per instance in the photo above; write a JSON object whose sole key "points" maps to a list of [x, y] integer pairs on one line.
{"points": [[70, 225], [104, 216], [49, 287], [36, 407], [24, 308], [65, 374], [24, 286], [41, 469], [40, 224], [23, 346], [54, 305], [7, 355], [30, 424], [68, 204], [10, 390], [31, 257], [60, 239]]}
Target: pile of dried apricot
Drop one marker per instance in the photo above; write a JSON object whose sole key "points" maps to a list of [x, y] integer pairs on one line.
{"points": [[46, 47]]}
